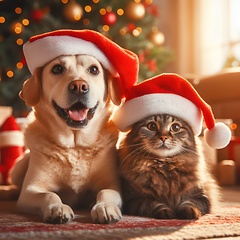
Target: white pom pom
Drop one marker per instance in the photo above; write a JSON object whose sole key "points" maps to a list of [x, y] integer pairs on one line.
{"points": [[219, 136]]}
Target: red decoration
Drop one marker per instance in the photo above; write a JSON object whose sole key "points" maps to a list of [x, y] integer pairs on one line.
{"points": [[141, 57], [152, 9], [109, 18], [131, 27], [37, 15], [152, 65], [11, 147]]}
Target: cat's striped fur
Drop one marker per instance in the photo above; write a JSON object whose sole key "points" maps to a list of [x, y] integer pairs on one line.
{"points": [[164, 172]]}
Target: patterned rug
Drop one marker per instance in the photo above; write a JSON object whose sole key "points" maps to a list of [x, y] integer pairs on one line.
{"points": [[225, 223]]}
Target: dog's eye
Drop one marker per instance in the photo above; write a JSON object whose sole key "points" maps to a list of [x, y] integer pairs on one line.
{"points": [[93, 70], [57, 69]]}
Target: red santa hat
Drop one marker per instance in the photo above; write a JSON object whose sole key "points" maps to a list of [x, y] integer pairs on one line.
{"points": [[11, 147], [121, 63], [171, 94]]}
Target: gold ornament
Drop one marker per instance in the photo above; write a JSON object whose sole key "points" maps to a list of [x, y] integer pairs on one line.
{"points": [[156, 37], [73, 11], [135, 11]]}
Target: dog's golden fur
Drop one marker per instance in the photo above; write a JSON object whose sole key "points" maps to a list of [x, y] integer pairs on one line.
{"points": [[72, 162]]}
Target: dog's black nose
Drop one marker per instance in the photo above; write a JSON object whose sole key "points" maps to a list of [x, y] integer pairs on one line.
{"points": [[78, 87]]}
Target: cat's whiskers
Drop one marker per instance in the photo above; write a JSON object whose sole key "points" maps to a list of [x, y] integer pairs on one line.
{"points": [[133, 154]]}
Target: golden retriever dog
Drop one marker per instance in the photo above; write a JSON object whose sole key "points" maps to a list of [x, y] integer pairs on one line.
{"points": [[77, 78], [71, 141]]}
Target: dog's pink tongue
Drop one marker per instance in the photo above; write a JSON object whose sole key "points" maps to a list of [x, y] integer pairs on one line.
{"points": [[78, 115]]}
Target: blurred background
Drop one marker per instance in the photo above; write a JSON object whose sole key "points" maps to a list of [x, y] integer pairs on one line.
{"points": [[198, 39]]}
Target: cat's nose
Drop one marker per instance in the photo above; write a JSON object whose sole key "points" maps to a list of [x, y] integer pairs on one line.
{"points": [[163, 138]]}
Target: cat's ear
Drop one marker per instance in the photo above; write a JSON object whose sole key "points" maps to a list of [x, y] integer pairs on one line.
{"points": [[31, 89]]}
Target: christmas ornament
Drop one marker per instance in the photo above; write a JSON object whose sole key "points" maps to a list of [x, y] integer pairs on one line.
{"points": [[174, 95], [131, 27], [73, 11], [156, 37], [152, 65], [11, 147], [135, 11], [37, 15], [109, 18]]}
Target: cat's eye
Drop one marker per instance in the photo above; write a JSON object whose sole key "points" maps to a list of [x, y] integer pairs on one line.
{"points": [[152, 126], [93, 70], [57, 69], [175, 127]]}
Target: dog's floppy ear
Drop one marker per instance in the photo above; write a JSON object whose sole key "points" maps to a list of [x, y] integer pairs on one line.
{"points": [[115, 90], [31, 89]]}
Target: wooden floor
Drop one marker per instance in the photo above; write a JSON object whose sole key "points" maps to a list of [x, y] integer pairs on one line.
{"points": [[231, 195]]}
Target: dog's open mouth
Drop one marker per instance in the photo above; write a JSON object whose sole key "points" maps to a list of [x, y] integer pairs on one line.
{"points": [[77, 116]]}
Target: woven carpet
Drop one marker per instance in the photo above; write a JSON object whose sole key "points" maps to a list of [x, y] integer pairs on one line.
{"points": [[225, 223]]}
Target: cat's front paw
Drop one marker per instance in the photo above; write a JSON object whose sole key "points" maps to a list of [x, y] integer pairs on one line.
{"points": [[188, 211], [162, 211], [106, 213]]}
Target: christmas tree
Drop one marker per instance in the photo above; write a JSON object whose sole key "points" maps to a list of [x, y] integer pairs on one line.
{"points": [[131, 24]]}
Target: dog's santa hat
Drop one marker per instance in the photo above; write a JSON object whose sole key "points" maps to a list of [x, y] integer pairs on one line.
{"points": [[174, 95], [121, 63]]}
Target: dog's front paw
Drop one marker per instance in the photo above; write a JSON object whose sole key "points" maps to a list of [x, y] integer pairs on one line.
{"points": [[57, 213], [106, 213]]}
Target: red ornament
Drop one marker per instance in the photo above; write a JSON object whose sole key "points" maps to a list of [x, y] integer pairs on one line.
{"points": [[37, 15], [131, 27], [152, 65], [109, 18], [141, 57]]}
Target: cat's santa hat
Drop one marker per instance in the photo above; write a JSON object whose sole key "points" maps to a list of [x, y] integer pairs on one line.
{"points": [[43, 48], [174, 95]]}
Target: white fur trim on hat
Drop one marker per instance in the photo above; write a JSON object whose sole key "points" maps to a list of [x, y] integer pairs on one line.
{"points": [[139, 108], [219, 136], [43, 50], [11, 138]]}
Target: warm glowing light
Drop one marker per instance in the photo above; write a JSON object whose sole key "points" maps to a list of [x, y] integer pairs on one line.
{"points": [[135, 33], [88, 8], [10, 73], [120, 12], [86, 21], [19, 65], [64, 1], [139, 29], [95, 1], [233, 126], [123, 31], [18, 28], [19, 41], [102, 11], [25, 22], [77, 14], [137, 1], [105, 28], [109, 9], [148, 2], [2, 19], [18, 10]]}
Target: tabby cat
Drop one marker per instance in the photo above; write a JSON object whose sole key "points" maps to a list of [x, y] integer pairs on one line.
{"points": [[163, 170]]}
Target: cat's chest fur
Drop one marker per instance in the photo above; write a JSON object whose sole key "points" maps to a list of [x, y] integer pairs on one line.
{"points": [[159, 177]]}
